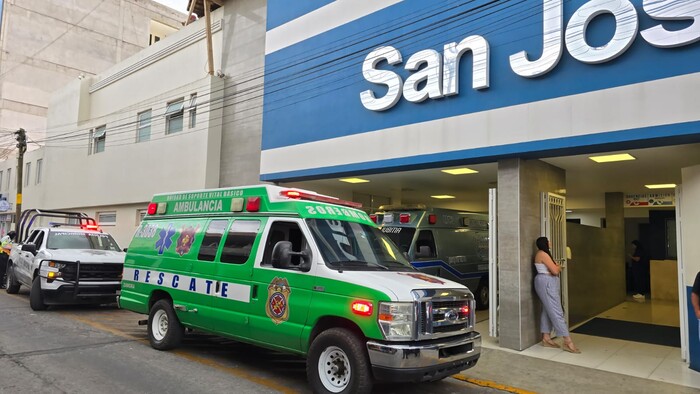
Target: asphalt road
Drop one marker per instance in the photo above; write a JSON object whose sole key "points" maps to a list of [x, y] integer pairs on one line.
{"points": [[103, 350]]}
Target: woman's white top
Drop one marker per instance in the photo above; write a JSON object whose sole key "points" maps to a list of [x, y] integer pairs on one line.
{"points": [[542, 269]]}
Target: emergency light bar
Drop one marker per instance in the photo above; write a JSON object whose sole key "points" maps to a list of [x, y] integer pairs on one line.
{"points": [[298, 195]]}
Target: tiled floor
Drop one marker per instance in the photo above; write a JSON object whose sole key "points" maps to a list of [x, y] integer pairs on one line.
{"points": [[642, 360]]}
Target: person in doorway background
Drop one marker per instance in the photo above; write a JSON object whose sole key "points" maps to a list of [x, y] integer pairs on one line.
{"points": [[695, 299], [640, 271], [5, 248], [548, 288]]}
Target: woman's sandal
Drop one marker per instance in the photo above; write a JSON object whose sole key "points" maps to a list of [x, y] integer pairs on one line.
{"points": [[550, 344], [571, 348]]}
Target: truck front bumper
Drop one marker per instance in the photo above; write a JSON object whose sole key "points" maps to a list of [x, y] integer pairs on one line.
{"points": [[58, 292], [424, 361]]}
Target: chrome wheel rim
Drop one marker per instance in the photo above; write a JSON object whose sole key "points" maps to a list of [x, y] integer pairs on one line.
{"points": [[334, 369], [159, 325]]}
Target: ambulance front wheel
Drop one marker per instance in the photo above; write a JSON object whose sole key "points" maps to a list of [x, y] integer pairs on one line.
{"points": [[338, 363], [164, 328]]}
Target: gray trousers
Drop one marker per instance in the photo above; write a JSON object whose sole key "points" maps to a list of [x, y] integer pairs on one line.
{"points": [[548, 289]]}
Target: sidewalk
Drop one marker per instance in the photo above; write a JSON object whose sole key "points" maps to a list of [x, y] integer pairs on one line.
{"points": [[544, 376]]}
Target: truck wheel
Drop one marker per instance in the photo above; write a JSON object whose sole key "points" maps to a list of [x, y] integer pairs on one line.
{"points": [[482, 295], [164, 328], [36, 298], [338, 363], [11, 284]]}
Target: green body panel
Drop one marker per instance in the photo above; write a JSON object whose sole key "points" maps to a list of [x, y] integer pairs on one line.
{"points": [[164, 257]]}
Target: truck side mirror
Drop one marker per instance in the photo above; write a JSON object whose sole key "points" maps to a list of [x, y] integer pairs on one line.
{"points": [[282, 257], [31, 248]]}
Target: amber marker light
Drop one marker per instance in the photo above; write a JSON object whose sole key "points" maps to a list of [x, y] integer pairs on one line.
{"points": [[362, 308]]}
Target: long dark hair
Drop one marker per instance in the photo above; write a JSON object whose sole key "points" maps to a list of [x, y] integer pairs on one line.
{"points": [[543, 245]]}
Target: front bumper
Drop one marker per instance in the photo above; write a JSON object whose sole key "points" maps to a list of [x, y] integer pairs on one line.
{"points": [[424, 361], [58, 292]]}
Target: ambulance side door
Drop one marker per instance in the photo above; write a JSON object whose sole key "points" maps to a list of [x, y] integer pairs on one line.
{"points": [[233, 277], [281, 296]]}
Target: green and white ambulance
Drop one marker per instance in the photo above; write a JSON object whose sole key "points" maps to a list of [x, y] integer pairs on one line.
{"points": [[300, 272]]}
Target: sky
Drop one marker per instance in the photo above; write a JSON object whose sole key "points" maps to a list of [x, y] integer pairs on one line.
{"points": [[180, 5]]}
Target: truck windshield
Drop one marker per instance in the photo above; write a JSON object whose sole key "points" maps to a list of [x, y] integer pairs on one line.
{"points": [[78, 240], [402, 236], [358, 247]]}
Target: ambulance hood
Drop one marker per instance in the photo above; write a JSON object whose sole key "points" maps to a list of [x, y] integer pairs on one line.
{"points": [[84, 255], [398, 284]]}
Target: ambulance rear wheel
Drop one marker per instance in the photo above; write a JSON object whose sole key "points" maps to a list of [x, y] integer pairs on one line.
{"points": [[482, 295], [338, 363], [164, 328]]}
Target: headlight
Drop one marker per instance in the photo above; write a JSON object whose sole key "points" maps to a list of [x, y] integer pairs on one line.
{"points": [[56, 265], [396, 320]]}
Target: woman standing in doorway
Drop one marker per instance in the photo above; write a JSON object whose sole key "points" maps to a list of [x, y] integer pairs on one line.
{"points": [[548, 288]]}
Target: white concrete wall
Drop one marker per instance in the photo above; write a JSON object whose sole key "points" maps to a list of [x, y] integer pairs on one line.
{"points": [[48, 43]]}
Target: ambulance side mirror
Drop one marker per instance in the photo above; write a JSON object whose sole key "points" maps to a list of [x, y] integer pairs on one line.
{"points": [[282, 257]]}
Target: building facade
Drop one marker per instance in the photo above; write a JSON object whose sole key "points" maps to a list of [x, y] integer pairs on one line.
{"points": [[309, 92]]}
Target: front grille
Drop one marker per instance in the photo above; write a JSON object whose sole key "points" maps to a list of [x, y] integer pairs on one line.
{"points": [[440, 316], [93, 272]]}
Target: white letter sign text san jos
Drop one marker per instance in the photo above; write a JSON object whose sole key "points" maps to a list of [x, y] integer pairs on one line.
{"points": [[434, 75]]}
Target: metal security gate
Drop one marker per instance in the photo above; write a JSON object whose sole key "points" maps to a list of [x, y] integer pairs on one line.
{"points": [[493, 265], [554, 228]]}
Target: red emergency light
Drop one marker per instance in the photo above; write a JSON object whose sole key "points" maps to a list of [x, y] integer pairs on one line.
{"points": [[373, 218], [299, 195], [362, 308], [253, 204], [404, 218], [152, 208], [432, 219]]}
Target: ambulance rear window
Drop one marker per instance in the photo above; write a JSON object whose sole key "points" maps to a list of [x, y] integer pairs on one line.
{"points": [[212, 239], [239, 241]]}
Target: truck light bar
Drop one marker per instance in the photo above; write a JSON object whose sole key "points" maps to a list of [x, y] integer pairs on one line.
{"points": [[297, 195]]}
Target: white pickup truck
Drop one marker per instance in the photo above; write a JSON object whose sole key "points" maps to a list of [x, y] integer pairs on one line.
{"points": [[65, 263]]}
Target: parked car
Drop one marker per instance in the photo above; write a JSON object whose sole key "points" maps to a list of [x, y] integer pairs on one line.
{"points": [[73, 262]]}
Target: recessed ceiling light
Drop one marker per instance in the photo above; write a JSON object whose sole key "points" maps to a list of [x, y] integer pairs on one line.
{"points": [[661, 186], [353, 180], [611, 158], [442, 196], [460, 171], [569, 211]]}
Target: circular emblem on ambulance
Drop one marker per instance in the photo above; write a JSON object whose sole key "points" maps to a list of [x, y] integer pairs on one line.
{"points": [[277, 307]]}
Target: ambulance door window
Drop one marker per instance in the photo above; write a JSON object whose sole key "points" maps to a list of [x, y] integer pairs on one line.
{"points": [[284, 231], [212, 239], [425, 239], [239, 241]]}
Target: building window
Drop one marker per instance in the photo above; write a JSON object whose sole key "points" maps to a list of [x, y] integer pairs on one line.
{"points": [[9, 178], [107, 218], [1, 173], [98, 139], [39, 162], [140, 214], [174, 115], [193, 110], [27, 173], [144, 126]]}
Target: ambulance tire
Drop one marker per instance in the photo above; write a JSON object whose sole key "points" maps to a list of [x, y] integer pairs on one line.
{"points": [[482, 295], [164, 328], [36, 298], [11, 284], [338, 363]]}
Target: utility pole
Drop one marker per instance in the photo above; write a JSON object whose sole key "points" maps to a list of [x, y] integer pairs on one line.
{"points": [[22, 147]]}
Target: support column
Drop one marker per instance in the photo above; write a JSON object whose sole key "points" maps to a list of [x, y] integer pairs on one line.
{"points": [[520, 183]]}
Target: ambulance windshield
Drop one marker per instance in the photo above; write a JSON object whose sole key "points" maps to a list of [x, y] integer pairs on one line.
{"points": [[354, 246]]}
